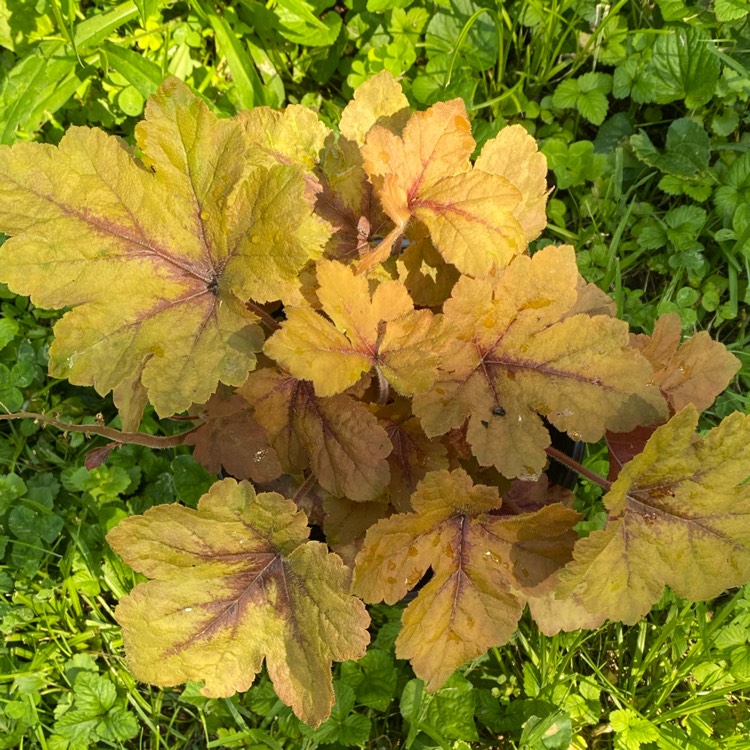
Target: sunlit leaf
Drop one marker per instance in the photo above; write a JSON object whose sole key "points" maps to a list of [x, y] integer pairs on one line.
{"points": [[234, 583], [522, 358], [379, 100], [482, 566], [426, 174], [381, 331], [694, 372], [514, 154], [679, 516], [158, 263]]}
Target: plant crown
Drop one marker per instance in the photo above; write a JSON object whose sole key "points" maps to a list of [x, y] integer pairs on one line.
{"points": [[355, 325]]}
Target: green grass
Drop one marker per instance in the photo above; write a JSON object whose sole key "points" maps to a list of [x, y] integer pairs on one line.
{"points": [[658, 221]]}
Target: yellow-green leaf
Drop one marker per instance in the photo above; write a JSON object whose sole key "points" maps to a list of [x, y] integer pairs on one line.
{"points": [[156, 264], [234, 583], [679, 516], [514, 154]]}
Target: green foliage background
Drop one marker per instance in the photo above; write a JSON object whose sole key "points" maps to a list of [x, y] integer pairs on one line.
{"points": [[642, 112]]}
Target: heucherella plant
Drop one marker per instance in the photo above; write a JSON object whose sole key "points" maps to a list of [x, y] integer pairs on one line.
{"points": [[355, 325]]}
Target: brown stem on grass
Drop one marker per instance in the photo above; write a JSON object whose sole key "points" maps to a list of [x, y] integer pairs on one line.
{"points": [[579, 468], [117, 436]]}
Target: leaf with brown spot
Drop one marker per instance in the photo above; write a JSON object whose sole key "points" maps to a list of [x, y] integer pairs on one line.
{"points": [[233, 584], [521, 357], [337, 437], [362, 331], [232, 439], [694, 372], [483, 567], [679, 516], [156, 258]]}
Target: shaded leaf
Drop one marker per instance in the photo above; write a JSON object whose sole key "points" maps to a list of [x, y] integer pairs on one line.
{"points": [[678, 516], [381, 331], [232, 439], [337, 437], [482, 566], [413, 454], [233, 583], [521, 357]]}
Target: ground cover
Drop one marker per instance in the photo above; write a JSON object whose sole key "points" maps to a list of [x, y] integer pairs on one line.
{"points": [[641, 115]]}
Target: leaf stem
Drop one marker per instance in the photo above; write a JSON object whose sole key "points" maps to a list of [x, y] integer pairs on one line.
{"points": [[118, 436], [579, 468], [263, 315]]}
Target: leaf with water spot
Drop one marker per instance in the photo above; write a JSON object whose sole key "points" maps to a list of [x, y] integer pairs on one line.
{"points": [[693, 372], [230, 438], [483, 566], [679, 516], [362, 331], [234, 583], [337, 437], [425, 175], [522, 357], [156, 258]]}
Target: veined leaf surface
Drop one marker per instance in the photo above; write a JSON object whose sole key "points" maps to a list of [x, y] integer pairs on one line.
{"points": [[156, 263], [522, 356], [483, 566], [694, 372], [363, 330], [337, 437], [426, 174], [233, 583], [679, 516]]}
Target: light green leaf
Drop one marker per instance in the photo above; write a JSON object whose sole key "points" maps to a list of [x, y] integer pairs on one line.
{"points": [[632, 731], [8, 331]]}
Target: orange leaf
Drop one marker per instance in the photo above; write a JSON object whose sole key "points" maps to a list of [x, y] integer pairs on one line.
{"points": [[483, 567]]}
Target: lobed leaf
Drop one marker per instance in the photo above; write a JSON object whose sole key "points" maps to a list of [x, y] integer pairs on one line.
{"points": [[483, 567], [232, 439], [362, 331], [235, 583], [426, 174], [156, 263], [514, 154], [337, 437], [694, 372], [679, 516], [523, 356]]}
